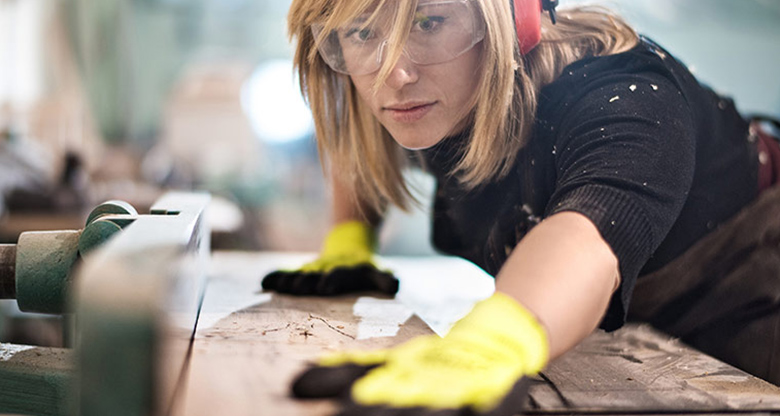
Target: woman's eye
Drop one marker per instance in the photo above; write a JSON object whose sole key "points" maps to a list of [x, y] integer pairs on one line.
{"points": [[429, 23], [362, 35]]}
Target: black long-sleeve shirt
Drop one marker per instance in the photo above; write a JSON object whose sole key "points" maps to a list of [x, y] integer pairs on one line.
{"points": [[632, 141]]}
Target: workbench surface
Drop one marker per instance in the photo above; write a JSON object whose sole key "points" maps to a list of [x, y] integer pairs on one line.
{"points": [[249, 345]]}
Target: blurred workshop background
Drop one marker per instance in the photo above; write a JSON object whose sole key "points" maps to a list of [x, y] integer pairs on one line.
{"points": [[124, 99]]}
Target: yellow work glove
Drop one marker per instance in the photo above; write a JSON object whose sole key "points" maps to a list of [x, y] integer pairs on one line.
{"points": [[345, 265], [478, 368]]}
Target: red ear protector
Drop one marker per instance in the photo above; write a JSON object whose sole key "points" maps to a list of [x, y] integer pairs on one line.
{"points": [[528, 21]]}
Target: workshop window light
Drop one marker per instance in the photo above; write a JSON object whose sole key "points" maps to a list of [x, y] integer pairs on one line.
{"points": [[22, 26], [273, 103]]}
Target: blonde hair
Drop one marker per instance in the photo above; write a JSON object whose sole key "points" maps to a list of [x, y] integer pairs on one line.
{"points": [[370, 162]]}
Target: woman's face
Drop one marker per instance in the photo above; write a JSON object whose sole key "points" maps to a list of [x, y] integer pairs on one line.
{"points": [[422, 104]]}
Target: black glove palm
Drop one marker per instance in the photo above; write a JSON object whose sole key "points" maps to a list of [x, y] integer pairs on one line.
{"points": [[345, 265]]}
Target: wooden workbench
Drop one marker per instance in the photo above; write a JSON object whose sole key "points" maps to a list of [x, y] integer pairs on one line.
{"points": [[249, 345]]}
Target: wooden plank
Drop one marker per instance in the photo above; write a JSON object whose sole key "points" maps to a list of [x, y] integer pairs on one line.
{"points": [[244, 365], [638, 369], [249, 346]]}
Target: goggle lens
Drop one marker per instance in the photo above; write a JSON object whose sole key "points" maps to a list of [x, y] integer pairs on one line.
{"points": [[441, 31]]}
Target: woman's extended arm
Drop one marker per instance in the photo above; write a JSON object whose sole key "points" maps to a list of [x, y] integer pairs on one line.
{"points": [[562, 271], [347, 206], [565, 273]]}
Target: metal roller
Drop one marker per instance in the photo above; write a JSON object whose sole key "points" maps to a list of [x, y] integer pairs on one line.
{"points": [[43, 264], [103, 222]]}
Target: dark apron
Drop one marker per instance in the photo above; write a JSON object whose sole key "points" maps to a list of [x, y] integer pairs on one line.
{"points": [[722, 296]]}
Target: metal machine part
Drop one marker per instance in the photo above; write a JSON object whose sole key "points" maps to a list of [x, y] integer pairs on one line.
{"points": [[137, 304], [43, 264], [135, 284], [37, 270]]}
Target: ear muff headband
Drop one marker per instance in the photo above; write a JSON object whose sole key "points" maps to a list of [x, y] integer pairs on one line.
{"points": [[528, 21]]}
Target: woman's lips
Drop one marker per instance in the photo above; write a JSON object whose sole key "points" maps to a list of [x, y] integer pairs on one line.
{"points": [[409, 113]]}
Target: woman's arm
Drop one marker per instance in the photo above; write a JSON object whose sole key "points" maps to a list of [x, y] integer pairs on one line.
{"points": [[565, 273], [348, 206]]}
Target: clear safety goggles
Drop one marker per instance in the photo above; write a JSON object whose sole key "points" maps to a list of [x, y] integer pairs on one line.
{"points": [[441, 31]]}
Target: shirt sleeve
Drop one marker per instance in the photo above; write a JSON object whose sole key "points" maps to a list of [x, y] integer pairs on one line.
{"points": [[624, 158]]}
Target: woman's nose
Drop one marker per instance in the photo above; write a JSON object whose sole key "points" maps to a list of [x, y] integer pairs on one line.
{"points": [[404, 72]]}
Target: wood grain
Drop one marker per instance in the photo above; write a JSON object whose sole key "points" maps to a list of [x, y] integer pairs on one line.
{"points": [[639, 369], [245, 363]]}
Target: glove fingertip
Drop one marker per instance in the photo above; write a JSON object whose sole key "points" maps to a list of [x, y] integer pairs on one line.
{"points": [[391, 286], [330, 284], [343, 279], [271, 280], [385, 281], [364, 277], [322, 382]]}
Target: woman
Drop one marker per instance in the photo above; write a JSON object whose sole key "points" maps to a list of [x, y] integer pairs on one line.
{"points": [[565, 167]]}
